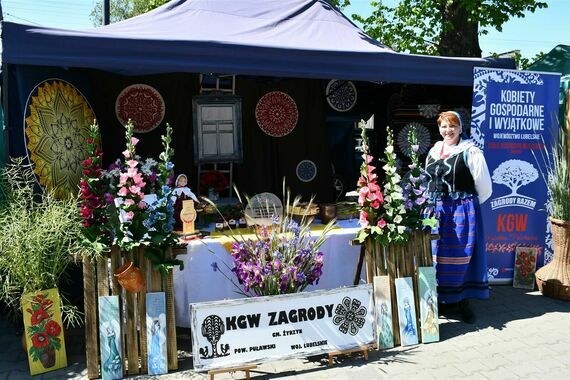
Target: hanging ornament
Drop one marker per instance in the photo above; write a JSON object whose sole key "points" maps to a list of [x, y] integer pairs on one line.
{"points": [[306, 171], [341, 95], [276, 114], [142, 104]]}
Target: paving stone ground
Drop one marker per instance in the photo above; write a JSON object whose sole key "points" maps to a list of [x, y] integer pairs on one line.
{"points": [[518, 334]]}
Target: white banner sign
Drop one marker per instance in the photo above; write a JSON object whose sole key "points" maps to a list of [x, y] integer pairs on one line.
{"points": [[236, 332]]}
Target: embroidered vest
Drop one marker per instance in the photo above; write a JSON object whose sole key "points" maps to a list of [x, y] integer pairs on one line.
{"points": [[450, 176]]}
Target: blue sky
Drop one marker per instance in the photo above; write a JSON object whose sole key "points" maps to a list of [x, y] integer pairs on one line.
{"points": [[536, 32]]}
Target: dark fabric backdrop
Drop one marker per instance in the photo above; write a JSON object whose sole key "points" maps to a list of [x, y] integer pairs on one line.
{"points": [[267, 160]]}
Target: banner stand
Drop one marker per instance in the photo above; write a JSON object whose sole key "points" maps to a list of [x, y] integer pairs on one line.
{"points": [[363, 349], [245, 368]]}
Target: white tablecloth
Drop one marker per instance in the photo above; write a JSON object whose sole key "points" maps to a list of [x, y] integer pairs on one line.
{"points": [[198, 282]]}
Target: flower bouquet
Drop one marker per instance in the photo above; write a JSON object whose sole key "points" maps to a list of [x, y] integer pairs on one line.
{"points": [[280, 259], [213, 181]]}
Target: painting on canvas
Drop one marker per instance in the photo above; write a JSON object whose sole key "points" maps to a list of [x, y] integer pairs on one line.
{"points": [[525, 266], [44, 331], [429, 313], [110, 338], [156, 333], [383, 307], [406, 311]]}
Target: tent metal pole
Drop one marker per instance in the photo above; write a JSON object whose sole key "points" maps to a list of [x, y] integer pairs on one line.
{"points": [[5, 129], [106, 12]]}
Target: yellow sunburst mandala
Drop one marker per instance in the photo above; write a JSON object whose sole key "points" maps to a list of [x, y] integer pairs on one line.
{"points": [[57, 127]]}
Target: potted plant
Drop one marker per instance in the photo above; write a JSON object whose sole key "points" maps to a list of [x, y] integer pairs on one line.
{"points": [[553, 279], [40, 237]]}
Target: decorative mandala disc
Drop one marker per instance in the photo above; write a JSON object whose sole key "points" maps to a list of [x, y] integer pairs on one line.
{"points": [[57, 126], [424, 139], [143, 105], [306, 171], [429, 110], [341, 95], [276, 114]]}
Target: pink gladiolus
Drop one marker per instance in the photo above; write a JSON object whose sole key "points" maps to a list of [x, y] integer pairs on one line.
{"points": [[132, 163], [123, 191], [143, 205], [369, 158], [129, 202], [381, 223], [138, 180], [375, 204], [123, 177], [134, 140], [363, 218], [131, 172], [135, 190], [126, 153], [129, 216]]}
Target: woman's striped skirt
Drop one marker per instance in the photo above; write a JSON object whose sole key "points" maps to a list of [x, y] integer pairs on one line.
{"points": [[461, 268]]}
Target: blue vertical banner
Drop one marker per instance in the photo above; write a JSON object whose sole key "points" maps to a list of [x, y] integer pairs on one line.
{"points": [[514, 116]]}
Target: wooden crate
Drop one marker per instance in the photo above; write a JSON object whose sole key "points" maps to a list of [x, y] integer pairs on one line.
{"points": [[398, 261], [98, 280]]}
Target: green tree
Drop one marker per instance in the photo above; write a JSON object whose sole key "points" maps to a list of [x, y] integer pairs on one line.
{"points": [[441, 27], [124, 9]]}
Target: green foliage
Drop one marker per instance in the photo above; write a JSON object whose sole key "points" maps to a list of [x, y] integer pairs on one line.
{"points": [[40, 235], [124, 9], [435, 26]]}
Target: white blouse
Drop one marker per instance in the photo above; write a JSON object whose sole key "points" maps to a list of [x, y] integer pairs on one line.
{"points": [[475, 162]]}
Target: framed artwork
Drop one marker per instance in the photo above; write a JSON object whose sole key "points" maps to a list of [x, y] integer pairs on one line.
{"points": [[44, 331], [110, 338], [156, 333], [383, 308], [406, 311], [429, 314], [143, 105], [525, 267]]}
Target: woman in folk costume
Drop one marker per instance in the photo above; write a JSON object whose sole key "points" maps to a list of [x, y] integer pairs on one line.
{"points": [[458, 182]]}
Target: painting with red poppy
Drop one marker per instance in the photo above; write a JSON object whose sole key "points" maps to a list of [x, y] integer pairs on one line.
{"points": [[44, 331], [525, 266]]}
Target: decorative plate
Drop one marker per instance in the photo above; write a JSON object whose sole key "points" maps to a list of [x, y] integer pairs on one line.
{"points": [[142, 104], [276, 114], [306, 171], [341, 95], [424, 139], [57, 126], [429, 110]]}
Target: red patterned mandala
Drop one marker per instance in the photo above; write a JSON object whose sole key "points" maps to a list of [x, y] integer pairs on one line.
{"points": [[276, 114], [142, 104]]}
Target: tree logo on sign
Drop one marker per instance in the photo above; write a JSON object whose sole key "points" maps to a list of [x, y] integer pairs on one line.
{"points": [[213, 329], [515, 174], [349, 316]]}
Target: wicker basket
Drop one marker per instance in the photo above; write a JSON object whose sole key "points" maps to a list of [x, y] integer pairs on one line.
{"points": [[553, 279]]}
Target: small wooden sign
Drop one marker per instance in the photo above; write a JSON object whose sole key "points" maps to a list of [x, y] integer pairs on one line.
{"points": [[406, 311], [429, 314], [383, 308], [44, 331], [188, 216], [110, 338], [156, 333], [525, 267]]}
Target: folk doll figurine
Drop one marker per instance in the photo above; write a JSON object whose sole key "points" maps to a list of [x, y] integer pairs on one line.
{"points": [[182, 192]]}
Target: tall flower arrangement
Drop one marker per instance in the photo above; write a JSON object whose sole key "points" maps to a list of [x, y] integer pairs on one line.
{"points": [[394, 208], [160, 213], [130, 194], [415, 197], [381, 214], [92, 203], [370, 196]]}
